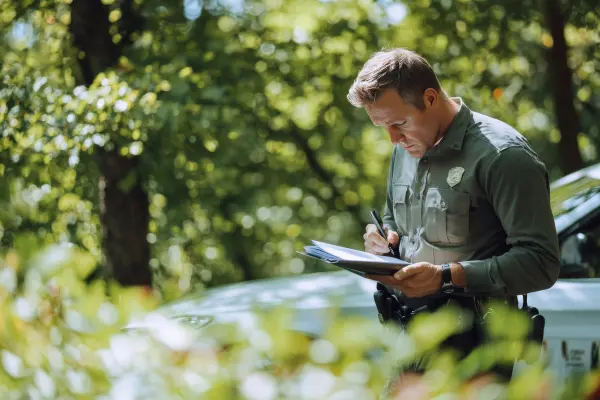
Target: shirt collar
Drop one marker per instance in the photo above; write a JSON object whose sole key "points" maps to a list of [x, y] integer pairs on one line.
{"points": [[455, 134]]}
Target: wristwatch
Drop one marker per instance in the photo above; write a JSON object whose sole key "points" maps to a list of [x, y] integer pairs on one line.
{"points": [[447, 285]]}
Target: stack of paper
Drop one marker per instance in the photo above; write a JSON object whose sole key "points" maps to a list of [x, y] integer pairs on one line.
{"points": [[356, 261]]}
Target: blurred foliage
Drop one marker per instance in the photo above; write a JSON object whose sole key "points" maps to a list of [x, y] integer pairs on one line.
{"points": [[62, 338], [496, 55], [237, 113], [243, 160]]}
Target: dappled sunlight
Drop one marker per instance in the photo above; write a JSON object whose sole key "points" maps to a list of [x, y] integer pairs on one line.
{"points": [[163, 163]]}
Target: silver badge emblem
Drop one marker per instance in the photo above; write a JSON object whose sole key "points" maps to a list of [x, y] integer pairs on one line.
{"points": [[455, 175]]}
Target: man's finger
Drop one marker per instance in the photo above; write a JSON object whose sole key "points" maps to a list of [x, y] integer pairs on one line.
{"points": [[408, 271], [381, 248], [373, 242], [376, 237], [392, 237], [371, 228], [369, 248], [374, 249]]}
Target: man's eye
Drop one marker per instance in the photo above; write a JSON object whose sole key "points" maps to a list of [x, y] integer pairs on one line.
{"points": [[399, 124]]}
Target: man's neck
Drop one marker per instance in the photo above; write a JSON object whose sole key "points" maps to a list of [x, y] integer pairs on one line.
{"points": [[447, 114]]}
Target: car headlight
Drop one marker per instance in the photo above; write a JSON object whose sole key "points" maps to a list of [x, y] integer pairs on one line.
{"points": [[157, 322], [194, 321]]}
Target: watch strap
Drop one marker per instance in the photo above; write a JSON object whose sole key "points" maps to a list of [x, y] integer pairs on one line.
{"points": [[446, 274], [447, 285]]}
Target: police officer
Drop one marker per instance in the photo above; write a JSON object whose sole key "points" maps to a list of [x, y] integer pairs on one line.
{"points": [[467, 197]]}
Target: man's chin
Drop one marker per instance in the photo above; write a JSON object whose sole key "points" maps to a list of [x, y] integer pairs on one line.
{"points": [[414, 152]]}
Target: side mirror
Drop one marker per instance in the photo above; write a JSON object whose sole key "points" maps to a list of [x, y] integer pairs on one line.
{"points": [[573, 256]]}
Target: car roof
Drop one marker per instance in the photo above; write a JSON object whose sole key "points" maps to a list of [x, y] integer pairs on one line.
{"points": [[575, 196], [592, 172]]}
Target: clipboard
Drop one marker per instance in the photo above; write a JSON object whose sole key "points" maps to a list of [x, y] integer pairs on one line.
{"points": [[355, 261]]}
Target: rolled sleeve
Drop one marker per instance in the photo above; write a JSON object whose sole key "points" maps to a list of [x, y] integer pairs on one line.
{"points": [[516, 183]]}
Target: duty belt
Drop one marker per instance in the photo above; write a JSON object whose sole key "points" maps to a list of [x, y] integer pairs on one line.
{"points": [[390, 309]]}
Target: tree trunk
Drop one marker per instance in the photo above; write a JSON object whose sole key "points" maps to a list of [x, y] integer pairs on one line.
{"points": [[124, 213], [561, 82], [124, 210]]}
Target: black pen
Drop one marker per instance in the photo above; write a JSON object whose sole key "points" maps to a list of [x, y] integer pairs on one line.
{"points": [[379, 224]]}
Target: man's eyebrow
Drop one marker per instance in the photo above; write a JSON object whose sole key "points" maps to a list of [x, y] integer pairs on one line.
{"points": [[398, 121], [386, 123]]}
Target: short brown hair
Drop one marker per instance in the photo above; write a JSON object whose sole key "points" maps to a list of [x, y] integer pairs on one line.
{"points": [[406, 71]]}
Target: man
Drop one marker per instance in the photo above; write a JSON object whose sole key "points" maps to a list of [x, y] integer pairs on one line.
{"points": [[467, 197]]}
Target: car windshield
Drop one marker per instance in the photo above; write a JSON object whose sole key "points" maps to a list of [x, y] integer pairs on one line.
{"points": [[565, 198]]}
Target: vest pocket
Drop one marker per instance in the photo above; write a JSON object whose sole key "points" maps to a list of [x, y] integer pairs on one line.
{"points": [[447, 216]]}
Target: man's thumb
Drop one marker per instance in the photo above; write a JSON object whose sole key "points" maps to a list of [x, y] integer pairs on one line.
{"points": [[392, 237]]}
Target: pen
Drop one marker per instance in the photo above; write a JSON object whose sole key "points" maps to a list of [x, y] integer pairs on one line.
{"points": [[379, 224]]}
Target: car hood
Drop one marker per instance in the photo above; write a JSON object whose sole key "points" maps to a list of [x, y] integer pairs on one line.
{"points": [[316, 290], [569, 295], [347, 290]]}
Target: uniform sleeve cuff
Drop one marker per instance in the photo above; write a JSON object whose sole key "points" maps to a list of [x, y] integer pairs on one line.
{"points": [[478, 277]]}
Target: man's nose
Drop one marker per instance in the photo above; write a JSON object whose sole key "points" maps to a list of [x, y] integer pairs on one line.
{"points": [[395, 136]]}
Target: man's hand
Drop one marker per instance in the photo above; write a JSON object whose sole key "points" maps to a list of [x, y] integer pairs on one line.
{"points": [[376, 244], [415, 280]]}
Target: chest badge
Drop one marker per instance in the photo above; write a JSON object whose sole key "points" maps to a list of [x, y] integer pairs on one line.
{"points": [[455, 175]]}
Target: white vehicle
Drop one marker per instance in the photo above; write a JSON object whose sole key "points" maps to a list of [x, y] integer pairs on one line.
{"points": [[571, 307]]}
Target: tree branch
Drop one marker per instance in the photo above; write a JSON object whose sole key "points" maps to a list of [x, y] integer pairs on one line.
{"points": [[235, 247], [317, 168], [311, 157], [591, 108]]}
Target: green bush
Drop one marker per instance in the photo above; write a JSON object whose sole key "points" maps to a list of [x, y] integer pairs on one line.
{"points": [[63, 338]]}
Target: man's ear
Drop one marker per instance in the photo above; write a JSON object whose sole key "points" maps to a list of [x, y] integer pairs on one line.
{"points": [[430, 97]]}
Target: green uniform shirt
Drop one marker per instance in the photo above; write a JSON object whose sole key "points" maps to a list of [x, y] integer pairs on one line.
{"points": [[480, 197]]}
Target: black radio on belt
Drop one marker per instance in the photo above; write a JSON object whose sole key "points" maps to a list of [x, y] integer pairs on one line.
{"points": [[391, 310], [387, 304]]}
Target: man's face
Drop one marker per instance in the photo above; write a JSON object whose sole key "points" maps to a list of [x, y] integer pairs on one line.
{"points": [[415, 130]]}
